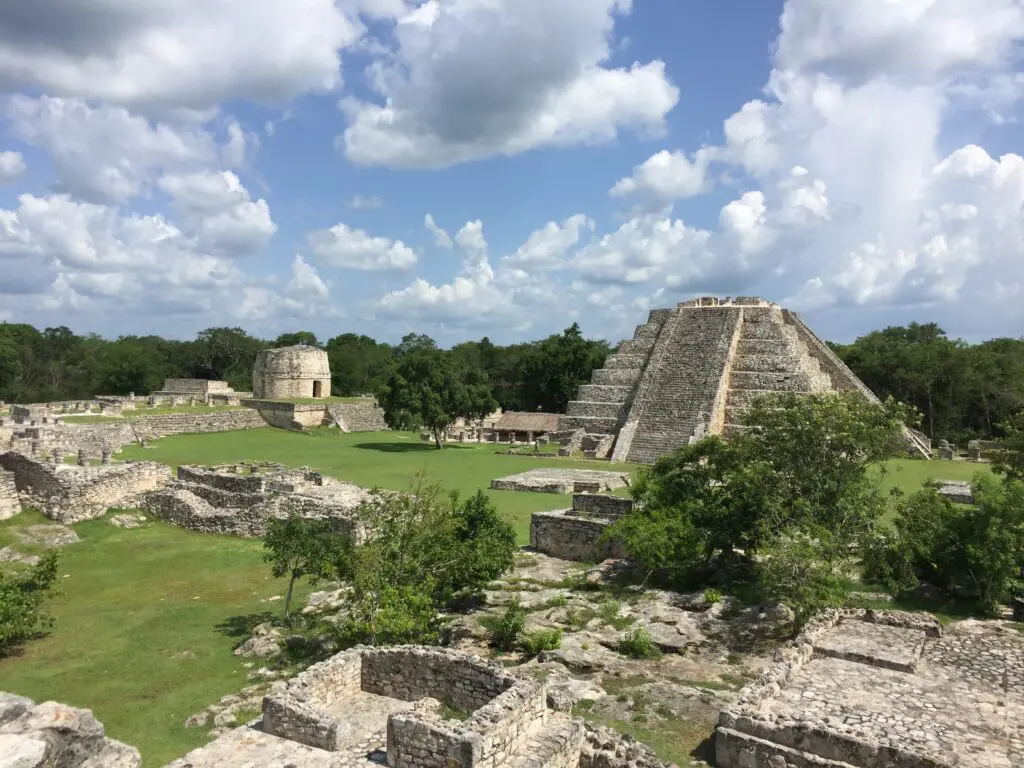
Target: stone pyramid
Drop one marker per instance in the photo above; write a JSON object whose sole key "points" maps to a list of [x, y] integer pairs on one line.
{"points": [[691, 371]]}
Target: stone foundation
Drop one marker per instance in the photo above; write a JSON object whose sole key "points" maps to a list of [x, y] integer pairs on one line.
{"points": [[10, 504], [870, 689], [349, 417], [576, 534], [562, 481], [68, 493]]}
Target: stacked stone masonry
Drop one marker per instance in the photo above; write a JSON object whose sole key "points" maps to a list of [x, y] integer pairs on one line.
{"points": [[349, 417], [299, 371], [10, 503], [694, 370], [241, 499], [871, 689], [578, 533], [67, 493]]}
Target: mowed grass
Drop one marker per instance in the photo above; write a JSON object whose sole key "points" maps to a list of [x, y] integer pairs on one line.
{"points": [[382, 459], [146, 620], [910, 474]]}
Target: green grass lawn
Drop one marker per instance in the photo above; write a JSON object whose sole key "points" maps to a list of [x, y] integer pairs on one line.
{"points": [[383, 459], [146, 620], [910, 474]]}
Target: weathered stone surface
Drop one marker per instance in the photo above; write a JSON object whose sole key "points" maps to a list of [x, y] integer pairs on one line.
{"points": [[956, 491], [128, 521], [22, 752], [10, 504], [51, 536], [267, 640], [299, 371], [562, 481], [11, 555]]}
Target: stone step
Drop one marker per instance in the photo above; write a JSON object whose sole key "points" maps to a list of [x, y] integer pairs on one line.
{"points": [[647, 331], [767, 331], [778, 362], [590, 424], [557, 743], [636, 346], [742, 398], [731, 430], [616, 376], [777, 382], [763, 315], [762, 347], [603, 393], [625, 361], [591, 408], [735, 749]]}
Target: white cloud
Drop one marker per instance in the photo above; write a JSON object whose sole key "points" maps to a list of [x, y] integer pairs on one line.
{"points": [[441, 237], [367, 202], [12, 164], [163, 55], [547, 248], [106, 154], [217, 209], [442, 103], [667, 175], [347, 248]]}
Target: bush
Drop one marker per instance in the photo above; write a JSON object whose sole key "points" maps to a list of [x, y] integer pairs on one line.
{"points": [[23, 594], [638, 644], [506, 630], [541, 640], [712, 596]]}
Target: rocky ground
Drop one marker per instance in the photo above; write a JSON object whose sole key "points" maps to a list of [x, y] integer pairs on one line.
{"points": [[706, 650]]}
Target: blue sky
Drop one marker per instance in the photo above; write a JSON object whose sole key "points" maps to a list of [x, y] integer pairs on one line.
{"points": [[272, 164]]}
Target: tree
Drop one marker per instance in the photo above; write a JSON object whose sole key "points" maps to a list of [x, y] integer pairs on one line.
{"points": [[302, 547], [297, 337], [23, 595], [793, 493], [1010, 461], [432, 389], [557, 366]]}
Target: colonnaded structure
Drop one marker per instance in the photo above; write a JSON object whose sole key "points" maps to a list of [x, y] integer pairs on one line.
{"points": [[694, 369]]}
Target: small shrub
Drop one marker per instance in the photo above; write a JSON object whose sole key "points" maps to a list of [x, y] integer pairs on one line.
{"points": [[505, 632], [558, 601], [451, 712], [712, 596], [577, 619], [583, 705], [638, 644], [541, 640]]}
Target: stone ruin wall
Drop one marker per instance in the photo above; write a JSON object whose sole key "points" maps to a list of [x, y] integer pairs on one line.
{"points": [[10, 504], [504, 709], [69, 494], [576, 534], [358, 417], [349, 417]]}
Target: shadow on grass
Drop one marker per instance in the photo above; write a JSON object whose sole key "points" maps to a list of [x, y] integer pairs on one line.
{"points": [[243, 626], [408, 447]]}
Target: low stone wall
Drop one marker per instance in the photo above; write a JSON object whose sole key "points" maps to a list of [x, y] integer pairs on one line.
{"points": [[154, 427], [601, 505], [68, 493], [235, 483], [358, 417], [567, 536], [10, 505]]}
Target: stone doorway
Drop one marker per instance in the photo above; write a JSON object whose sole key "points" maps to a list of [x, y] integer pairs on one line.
{"points": [[318, 389]]}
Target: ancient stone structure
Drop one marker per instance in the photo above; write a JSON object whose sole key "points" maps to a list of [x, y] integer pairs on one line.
{"points": [[371, 706], [196, 391], [870, 689], [957, 491], [524, 426], [692, 370], [575, 534], [365, 416], [291, 372], [10, 504], [52, 735], [239, 500], [562, 481], [68, 493]]}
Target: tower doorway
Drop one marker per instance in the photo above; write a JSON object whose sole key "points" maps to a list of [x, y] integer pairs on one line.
{"points": [[318, 389]]}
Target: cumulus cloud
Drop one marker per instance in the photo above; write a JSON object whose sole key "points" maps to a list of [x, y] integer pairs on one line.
{"points": [[106, 154], [347, 248], [439, 104], [12, 165], [546, 248], [441, 238], [217, 209], [667, 175], [161, 55]]}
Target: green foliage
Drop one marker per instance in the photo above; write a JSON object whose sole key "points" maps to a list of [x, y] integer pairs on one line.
{"points": [[539, 640], [432, 389], [712, 596], [426, 548], [795, 487], [23, 595], [639, 644], [1010, 461], [300, 547], [505, 630], [974, 552], [556, 367]]}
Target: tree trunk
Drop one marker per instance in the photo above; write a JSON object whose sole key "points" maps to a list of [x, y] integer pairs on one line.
{"points": [[288, 597], [438, 439]]}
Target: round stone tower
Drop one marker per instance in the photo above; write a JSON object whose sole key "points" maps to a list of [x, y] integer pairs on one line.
{"points": [[291, 372]]}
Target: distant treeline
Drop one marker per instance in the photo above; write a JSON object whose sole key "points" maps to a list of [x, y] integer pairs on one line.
{"points": [[963, 390]]}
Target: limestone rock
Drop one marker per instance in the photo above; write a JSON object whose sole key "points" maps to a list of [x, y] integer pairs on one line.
{"points": [[48, 535], [114, 755], [266, 640], [128, 521], [9, 555], [12, 706], [21, 752]]}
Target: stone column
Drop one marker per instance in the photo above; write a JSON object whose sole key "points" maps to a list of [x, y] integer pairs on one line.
{"points": [[495, 435], [529, 437], [81, 457], [105, 458]]}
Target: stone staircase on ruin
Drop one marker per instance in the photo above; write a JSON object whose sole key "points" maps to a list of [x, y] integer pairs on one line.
{"points": [[603, 404], [769, 358], [677, 396]]}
